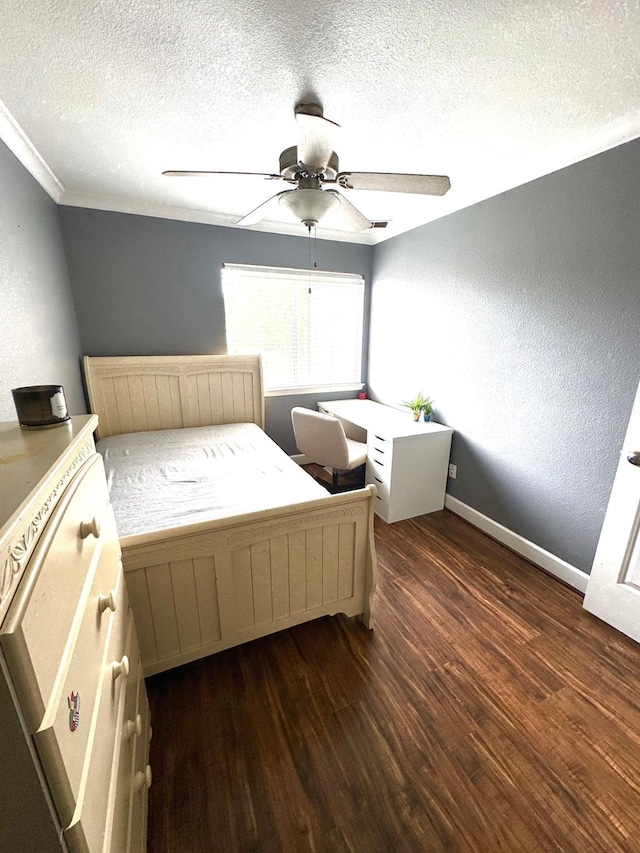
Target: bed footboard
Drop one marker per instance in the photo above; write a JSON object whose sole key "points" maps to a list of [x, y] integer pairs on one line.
{"points": [[226, 582]]}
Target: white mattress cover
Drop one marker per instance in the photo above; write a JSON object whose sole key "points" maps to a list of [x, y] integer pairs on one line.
{"points": [[169, 478]]}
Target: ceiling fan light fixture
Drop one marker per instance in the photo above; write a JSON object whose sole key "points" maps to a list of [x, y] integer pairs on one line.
{"points": [[309, 206]]}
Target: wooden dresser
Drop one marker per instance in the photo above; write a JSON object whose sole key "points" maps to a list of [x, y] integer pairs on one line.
{"points": [[74, 716]]}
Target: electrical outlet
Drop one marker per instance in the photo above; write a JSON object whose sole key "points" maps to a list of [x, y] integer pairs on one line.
{"points": [[453, 470]]}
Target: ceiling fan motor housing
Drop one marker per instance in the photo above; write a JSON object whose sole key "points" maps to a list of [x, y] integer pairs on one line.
{"points": [[290, 165]]}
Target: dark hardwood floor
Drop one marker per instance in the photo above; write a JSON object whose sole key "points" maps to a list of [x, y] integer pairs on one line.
{"points": [[487, 711]]}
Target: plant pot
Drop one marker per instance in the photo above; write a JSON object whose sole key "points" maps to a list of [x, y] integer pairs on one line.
{"points": [[416, 416], [427, 417]]}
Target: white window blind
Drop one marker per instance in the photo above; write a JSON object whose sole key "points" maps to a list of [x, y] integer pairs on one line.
{"points": [[307, 325]]}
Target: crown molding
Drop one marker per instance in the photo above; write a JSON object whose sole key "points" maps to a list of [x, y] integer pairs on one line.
{"points": [[19, 144], [611, 135]]}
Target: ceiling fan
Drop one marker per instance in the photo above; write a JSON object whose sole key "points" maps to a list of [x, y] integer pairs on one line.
{"points": [[312, 167]]}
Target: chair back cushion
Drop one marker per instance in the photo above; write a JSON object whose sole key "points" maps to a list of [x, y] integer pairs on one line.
{"points": [[320, 437]]}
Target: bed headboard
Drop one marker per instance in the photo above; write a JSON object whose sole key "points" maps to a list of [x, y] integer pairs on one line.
{"points": [[140, 393]]}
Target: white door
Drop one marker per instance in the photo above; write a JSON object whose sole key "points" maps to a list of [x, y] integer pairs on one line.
{"points": [[613, 591]]}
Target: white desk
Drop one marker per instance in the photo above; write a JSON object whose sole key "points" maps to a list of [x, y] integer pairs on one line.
{"points": [[407, 460]]}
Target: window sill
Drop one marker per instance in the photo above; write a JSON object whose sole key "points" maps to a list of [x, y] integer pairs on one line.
{"points": [[318, 389]]}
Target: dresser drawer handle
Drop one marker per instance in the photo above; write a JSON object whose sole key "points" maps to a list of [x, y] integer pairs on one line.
{"points": [[379, 437], [378, 462], [107, 602], [377, 479], [133, 727], [121, 668], [143, 779], [378, 449], [90, 528]]}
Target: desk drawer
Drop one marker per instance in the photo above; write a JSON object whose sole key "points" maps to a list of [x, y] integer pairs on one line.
{"points": [[39, 628], [382, 506], [380, 455], [379, 468], [378, 479], [379, 447]]}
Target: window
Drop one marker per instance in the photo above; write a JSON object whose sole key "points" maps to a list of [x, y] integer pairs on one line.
{"points": [[307, 325]]}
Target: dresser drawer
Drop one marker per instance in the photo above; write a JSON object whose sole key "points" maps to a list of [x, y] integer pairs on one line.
{"points": [[132, 731], [65, 734], [141, 780], [133, 683], [41, 624], [89, 828]]}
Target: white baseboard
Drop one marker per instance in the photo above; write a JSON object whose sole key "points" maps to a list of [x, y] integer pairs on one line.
{"points": [[572, 576]]}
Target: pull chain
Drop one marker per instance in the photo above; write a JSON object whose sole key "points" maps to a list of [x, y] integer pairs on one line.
{"points": [[315, 247], [309, 229], [315, 243]]}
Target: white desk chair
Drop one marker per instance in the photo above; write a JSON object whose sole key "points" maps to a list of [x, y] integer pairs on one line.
{"points": [[322, 440]]}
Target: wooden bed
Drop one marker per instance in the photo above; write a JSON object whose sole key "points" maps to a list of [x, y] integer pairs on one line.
{"points": [[199, 588]]}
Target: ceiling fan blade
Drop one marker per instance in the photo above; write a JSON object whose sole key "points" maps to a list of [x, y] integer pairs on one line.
{"points": [[262, 210], [347, 217], [395, 183], [315, 140], [172, 173]]}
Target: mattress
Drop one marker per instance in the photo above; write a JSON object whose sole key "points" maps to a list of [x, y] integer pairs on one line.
{"points": [[170, 478]]}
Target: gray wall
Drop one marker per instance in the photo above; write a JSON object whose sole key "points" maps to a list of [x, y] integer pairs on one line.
{"points": [[520, 317], [145, 286], [39, 341]]}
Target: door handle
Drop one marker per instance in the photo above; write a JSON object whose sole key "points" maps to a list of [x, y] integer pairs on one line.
{"points": [[634, 458]]}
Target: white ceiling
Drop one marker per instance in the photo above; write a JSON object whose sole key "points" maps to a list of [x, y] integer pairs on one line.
{"points": [[98, 97]]}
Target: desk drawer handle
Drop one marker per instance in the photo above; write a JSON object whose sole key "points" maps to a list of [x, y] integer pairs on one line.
{"points": [[107, 602], [119, 668], [377, 479], [378, 450], [378, 462], [144, 779], [90, 528], [379, 437], [379, 498]]}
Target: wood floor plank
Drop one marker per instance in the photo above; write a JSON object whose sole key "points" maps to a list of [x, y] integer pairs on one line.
{"points": [[486, 712]]}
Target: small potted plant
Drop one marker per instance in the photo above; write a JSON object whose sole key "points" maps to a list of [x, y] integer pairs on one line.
{"points": [[417, 404], [427, 408]]}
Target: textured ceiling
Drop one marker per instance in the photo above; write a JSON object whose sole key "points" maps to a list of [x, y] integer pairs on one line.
{"points": [[98, 97]]}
